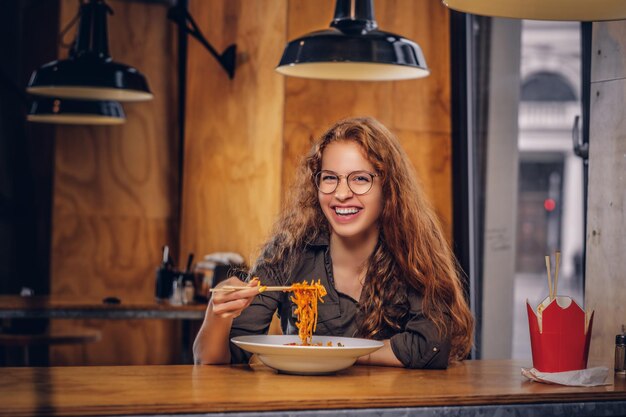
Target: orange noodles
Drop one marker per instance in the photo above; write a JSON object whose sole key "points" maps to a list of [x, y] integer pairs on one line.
{"points": [[305, 297]]}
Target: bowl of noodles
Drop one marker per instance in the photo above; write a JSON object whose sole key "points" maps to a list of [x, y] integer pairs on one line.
{"points": [[324, 354], [306, 354]]}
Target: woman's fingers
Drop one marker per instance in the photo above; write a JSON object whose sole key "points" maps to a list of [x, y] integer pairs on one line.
{"points": [[247, 293], [229, 308], [231, 304]]}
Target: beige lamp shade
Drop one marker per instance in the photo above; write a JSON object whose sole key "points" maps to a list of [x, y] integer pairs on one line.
{"points": [[577, 10], [353, 71]]}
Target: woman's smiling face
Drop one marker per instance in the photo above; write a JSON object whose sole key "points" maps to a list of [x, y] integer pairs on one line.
{"points": [[350, 215]]}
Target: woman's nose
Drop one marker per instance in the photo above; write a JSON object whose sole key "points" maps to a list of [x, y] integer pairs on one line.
{"points": [[343, 192]]}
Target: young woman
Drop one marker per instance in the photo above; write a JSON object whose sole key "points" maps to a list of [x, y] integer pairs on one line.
{"points": [[358, 221]]}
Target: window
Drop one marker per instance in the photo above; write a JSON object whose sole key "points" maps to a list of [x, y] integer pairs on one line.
{"points": [[519, 188]]}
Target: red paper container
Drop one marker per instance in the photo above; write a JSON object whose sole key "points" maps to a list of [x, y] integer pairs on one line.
{"points": [[559, 336]]}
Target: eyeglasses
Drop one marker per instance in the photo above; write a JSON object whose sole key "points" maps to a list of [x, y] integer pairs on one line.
{"points": [[359, 182]]}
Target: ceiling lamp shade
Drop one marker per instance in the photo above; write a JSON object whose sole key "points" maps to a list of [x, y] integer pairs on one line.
{"points": [[89, 72], [353, 49], [577, 10], [75, 112]]}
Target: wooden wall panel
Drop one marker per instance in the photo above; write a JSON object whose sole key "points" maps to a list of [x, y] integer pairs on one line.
{"points": [[234, 133], [606, 222], [418, 111], [115, 196]]}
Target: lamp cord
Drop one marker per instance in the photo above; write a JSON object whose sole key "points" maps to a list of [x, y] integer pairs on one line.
{"points": [[61, 38], [73, 22]]}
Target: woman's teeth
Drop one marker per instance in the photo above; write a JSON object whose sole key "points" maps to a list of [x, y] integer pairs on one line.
{"points": [[346, 211]]}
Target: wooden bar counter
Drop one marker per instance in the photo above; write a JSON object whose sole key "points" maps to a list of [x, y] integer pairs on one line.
{"points": [[470, 388]]}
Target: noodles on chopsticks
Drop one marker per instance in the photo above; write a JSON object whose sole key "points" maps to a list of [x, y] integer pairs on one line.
{"points": [[305, 297]]}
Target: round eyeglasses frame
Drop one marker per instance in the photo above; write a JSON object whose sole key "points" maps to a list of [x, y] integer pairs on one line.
{"points": [[347, 177]]}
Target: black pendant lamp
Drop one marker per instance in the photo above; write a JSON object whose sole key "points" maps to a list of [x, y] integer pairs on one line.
{"points": [[353, 49], [75, 112], [89, 73]]}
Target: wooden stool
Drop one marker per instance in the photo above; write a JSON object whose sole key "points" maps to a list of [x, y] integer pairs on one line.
{"points": [[59, 337]]}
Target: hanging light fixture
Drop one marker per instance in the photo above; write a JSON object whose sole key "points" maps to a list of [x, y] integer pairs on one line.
{"points": [[75, 112], [353, 49], [577, 10], [89, 72]]}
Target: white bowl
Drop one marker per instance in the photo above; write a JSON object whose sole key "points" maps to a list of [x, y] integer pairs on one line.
{"points": [[274, 351]]}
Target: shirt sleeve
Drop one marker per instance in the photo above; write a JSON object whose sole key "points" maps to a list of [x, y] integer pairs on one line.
{"points": [[257, 317], [420, 346]]}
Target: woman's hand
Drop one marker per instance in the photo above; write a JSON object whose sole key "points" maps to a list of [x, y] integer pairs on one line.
{"points": [[229, 305], [212, 342]]}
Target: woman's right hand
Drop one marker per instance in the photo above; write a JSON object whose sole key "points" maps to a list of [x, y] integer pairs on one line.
{"points": [[212, 342], [229, 305]]}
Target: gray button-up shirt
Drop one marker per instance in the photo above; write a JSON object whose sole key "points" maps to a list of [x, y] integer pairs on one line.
{"points": [[417, 345]]}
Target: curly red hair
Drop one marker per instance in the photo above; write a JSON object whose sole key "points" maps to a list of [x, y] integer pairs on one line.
{"points": [[413, 252]]}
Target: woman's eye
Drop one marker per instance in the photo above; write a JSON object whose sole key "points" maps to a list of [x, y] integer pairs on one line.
{"points": [[329, 178], [361, 179]]}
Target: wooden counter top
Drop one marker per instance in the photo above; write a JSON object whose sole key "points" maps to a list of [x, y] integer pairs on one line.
{"points": [[134, 390]]}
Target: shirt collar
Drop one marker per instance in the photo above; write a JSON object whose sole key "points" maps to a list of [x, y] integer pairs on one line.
{"points": [[322, 239]]}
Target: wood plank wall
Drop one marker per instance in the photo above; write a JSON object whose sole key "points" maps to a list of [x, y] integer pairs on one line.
{"points": [[235, 175], [606, 223], [234, 128], [115, 196]]}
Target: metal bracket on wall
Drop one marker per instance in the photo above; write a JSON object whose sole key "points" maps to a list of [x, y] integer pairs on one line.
{"points": [[180, 15]]}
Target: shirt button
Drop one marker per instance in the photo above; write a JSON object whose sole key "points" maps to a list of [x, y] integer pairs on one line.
{"points": [[435, 349]]}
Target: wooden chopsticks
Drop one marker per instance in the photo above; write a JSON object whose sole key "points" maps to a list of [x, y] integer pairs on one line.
{"points": [[552, 287], [262, 288]]}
